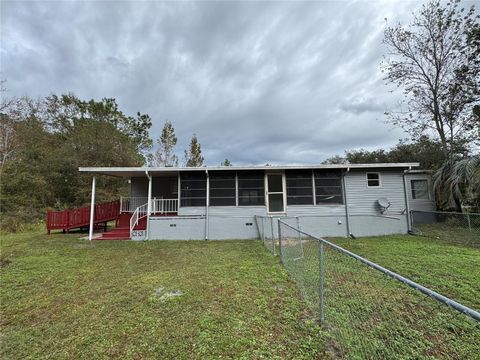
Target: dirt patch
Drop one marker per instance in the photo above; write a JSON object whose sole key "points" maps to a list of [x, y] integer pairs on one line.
{"points": [[163, 295], [4, 262]]}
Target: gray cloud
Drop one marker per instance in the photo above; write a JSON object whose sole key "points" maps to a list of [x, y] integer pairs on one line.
{"points": [[257, 82]]}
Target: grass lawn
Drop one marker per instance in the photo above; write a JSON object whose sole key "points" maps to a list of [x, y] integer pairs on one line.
{"points": [[369, 315], [453, 233], [453, 271], [64, 298]]}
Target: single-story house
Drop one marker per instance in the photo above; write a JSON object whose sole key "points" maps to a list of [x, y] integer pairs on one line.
{"points": [[216, 202]]}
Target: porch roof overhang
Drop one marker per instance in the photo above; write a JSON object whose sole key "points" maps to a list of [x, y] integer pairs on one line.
{"points": [[165, 171]]}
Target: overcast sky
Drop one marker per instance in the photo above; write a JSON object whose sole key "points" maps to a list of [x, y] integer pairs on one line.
{"points": [[282, 83]]}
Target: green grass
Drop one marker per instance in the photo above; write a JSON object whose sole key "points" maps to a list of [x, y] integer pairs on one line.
{"points": [[369, 315], [452, 232], [453, 271], [64, 298]]}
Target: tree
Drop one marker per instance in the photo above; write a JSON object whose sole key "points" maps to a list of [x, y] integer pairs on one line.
{"points": [[458, 181], [435, 61], [165, 156], [193, 156], [44, 141], [226, 162], [425, 151], [61, 113]]}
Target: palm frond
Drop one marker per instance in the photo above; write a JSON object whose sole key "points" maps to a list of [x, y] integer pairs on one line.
{"points": [[458, 178]]}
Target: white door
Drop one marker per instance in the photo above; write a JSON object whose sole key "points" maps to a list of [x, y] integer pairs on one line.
{"points": [[275, 193]]}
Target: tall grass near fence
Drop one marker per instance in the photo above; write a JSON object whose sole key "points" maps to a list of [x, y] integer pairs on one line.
{"points": [[368, 314], [452, 227]]}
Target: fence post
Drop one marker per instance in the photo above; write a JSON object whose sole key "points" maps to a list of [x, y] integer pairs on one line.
{"points": [[273, 236], [279, 240], [298, 227], [321, 283], [469, 223], [263, 230]]}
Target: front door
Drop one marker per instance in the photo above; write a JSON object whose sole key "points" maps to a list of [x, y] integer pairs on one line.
{"points": [[275, 193]]}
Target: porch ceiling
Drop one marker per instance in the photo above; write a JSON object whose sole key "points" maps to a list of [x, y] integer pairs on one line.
{"points": [[162, 171]]}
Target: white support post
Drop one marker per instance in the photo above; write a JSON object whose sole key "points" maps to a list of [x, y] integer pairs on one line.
{"points": [[92, 211], [207, 207], [149, 203]]}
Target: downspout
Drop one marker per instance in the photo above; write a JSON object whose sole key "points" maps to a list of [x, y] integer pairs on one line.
{"points": [[207, 205], [149, 205], [347, 212], [407, 205]]}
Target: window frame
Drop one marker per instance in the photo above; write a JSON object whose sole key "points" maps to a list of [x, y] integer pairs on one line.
{"points": [[341, 186], [312, 186], [182, 198], [427, 187], [233, 177], [379, 179], [239, 179]]}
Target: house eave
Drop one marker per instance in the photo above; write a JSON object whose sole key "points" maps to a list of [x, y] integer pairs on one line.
{"points": [[140, 171]]}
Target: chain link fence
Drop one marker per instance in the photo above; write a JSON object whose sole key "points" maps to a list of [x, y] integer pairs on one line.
{"points": [[369, 312], [451, 227], [268, 230], [265, 226]]}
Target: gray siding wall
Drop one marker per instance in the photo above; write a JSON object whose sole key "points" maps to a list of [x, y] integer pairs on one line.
{"points": [[231, 222], [366, 218], [363, 199], [420, 204], [373, 225], [139, 187], [162, 187], [177, 228]]}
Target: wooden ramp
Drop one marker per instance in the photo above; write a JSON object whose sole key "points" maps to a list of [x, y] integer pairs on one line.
{"points": [[78, 218]]}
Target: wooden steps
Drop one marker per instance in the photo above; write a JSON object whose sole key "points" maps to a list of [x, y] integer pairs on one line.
{"points": [[122, 230]]}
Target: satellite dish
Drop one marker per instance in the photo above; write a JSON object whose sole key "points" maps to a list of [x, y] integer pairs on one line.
{"points": [[384, 204]]}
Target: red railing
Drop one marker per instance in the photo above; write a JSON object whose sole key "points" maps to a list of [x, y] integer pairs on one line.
{"points": [[80, 217]]}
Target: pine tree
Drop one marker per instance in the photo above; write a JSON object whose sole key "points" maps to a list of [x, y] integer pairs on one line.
{"points": [[193, 156], [164, 156], [226, 162]]}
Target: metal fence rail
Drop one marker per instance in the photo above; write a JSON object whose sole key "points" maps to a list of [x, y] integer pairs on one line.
{"points": [[452, 227], [370, 312]]}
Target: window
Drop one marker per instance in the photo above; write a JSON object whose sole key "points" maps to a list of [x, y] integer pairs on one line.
{"points": [[373, 179], [222, 188], [328, 187], [299, 187], [193, 188], [251, 188], [420, 189]]}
